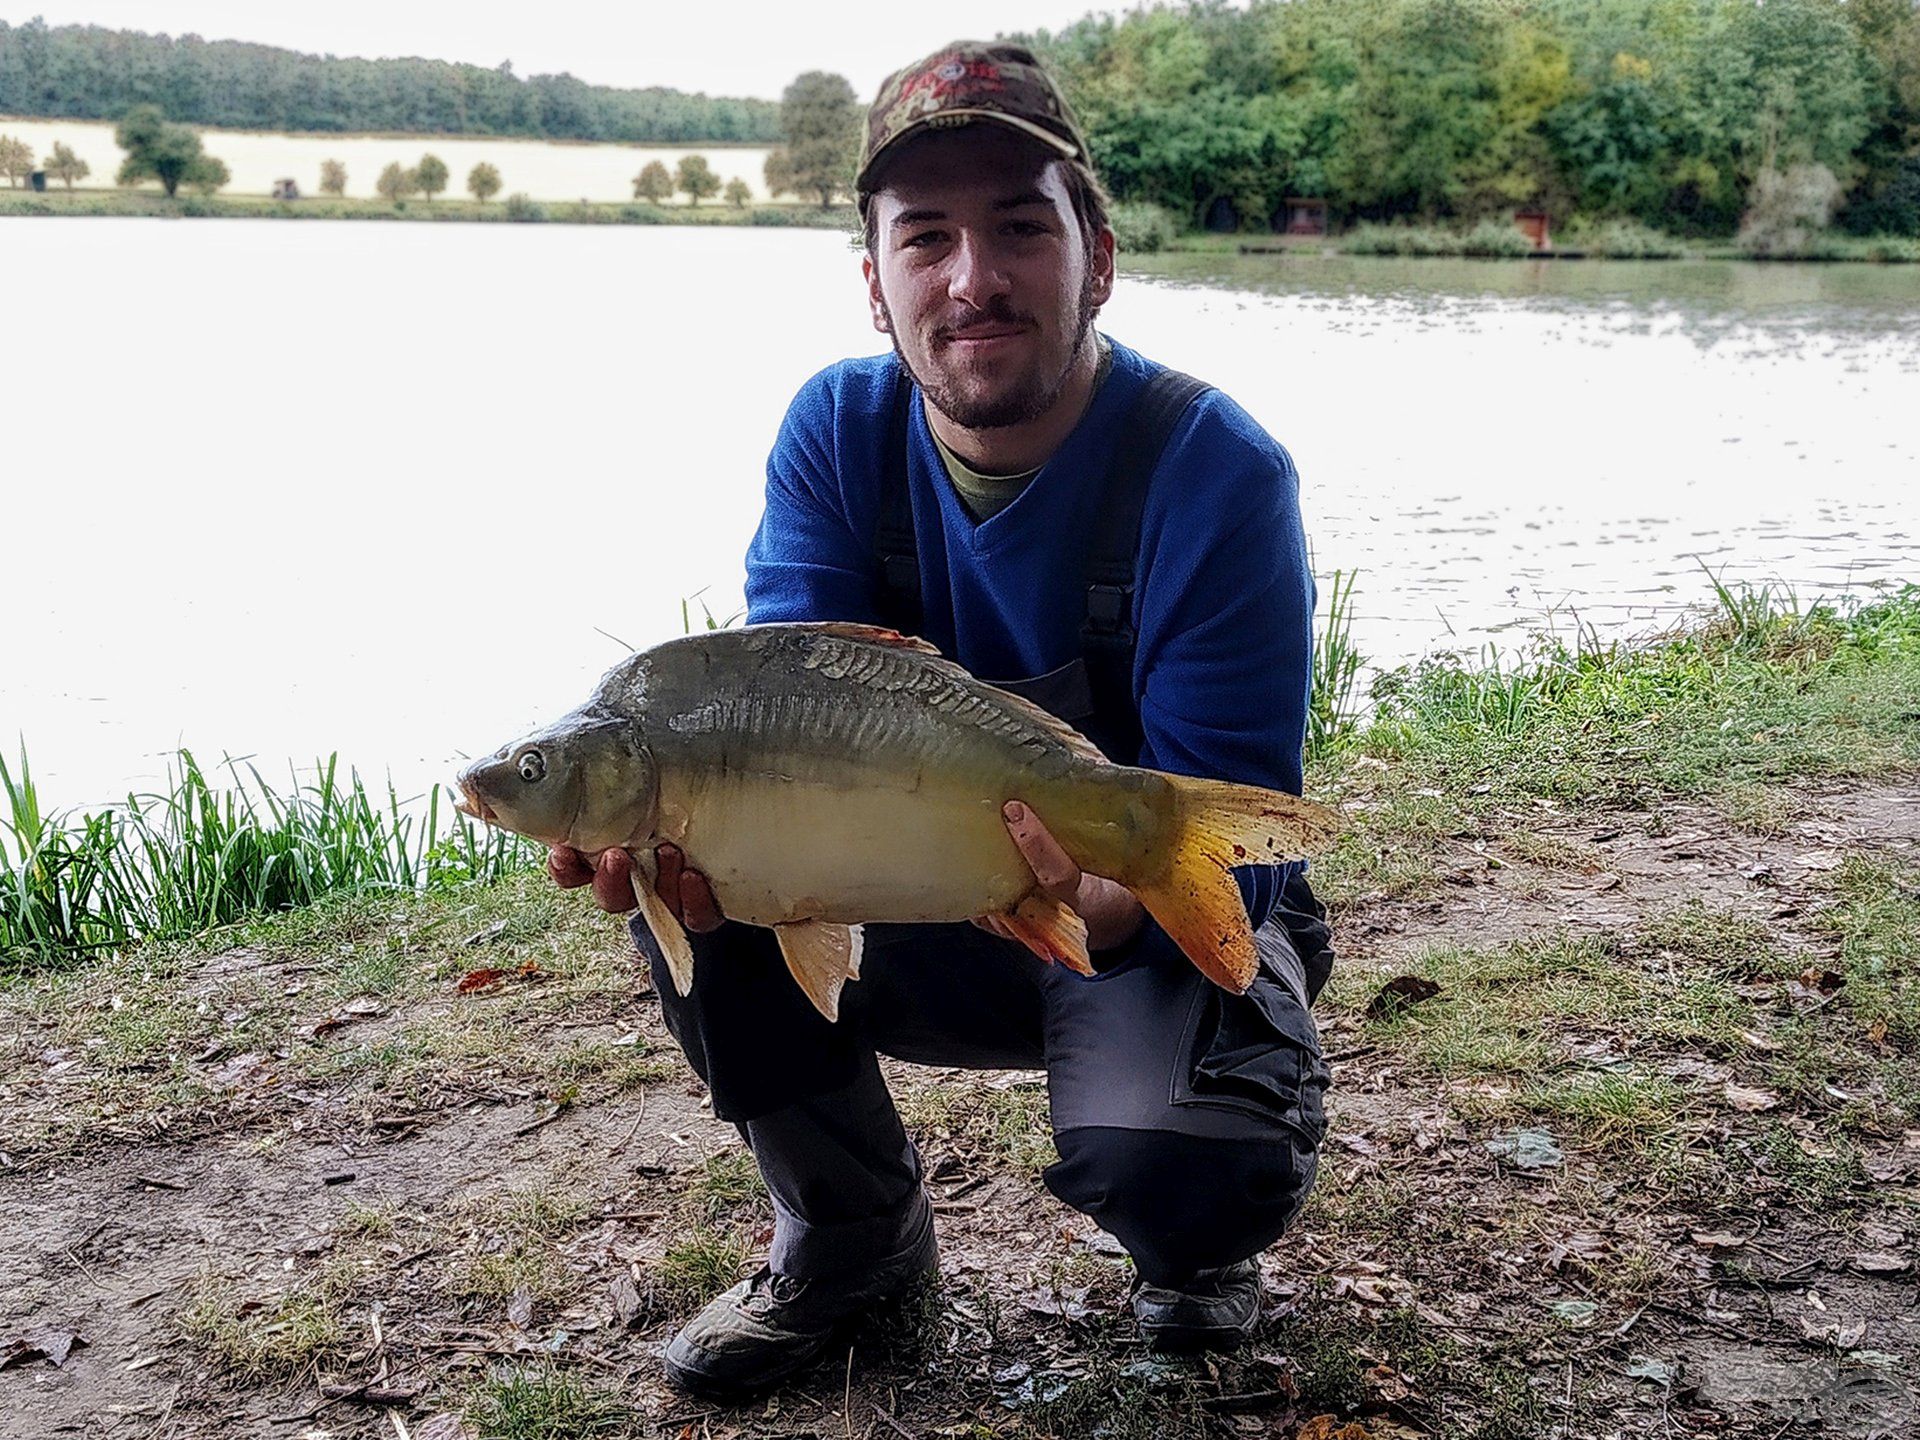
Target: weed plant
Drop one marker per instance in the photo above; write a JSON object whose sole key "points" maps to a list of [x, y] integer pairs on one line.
{"points": [[196, 856]]}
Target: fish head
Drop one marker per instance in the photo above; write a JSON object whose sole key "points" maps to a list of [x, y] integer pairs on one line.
{"points": [[586, 781]]}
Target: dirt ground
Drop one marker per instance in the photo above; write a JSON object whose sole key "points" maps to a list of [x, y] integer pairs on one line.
{"points": [[299, 1247]]}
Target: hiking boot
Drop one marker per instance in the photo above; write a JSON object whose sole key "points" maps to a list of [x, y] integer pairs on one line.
{"points": [[772, 1326], [1215, 1310]]}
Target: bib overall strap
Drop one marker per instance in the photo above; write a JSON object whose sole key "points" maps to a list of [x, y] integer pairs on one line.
{"points": [[895, 549], [1107, 636]]}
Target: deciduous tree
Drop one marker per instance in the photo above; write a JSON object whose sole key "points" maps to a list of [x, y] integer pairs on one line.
{"points": [[16, 159], [66, 166], [207, 174], [654, 182], [737, 194], [396, 182], [430, 176], [696, 177], [160, 151], [333, 177], [778, 173], [820, 117], [484, 182]]}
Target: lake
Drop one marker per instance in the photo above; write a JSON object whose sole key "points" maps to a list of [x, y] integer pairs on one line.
{"points": [[543, 169], [399, 490]]}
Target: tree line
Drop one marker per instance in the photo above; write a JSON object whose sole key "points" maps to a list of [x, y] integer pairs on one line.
{"points": [[1669, 112], [87, 72]]}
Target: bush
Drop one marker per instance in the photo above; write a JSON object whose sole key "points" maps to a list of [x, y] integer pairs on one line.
{"points": [[762, 215], [1788, 209], [1399, 240], [1626, 240], [642, 215], [1141, 227], [1491, 238], [524, 209]]}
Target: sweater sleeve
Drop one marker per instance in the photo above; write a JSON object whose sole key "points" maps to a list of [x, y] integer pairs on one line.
{"points": [[1225, 618], [807, 560]]}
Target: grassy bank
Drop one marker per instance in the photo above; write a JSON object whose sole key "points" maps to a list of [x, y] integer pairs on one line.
{"points": [[1625, 1026], [1610, 240], [509, 210]]}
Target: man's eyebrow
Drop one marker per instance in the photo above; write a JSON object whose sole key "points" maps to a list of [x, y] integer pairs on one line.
{"points": [[1022, 200], [917, 217], [1012, 202]]}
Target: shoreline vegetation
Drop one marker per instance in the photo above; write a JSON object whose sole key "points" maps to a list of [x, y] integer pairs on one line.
{"points": [[1624, 1025], [1761, 691], [1141, 230]]}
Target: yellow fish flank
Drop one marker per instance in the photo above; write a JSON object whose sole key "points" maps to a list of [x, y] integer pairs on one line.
{"points": [[827, 776]]}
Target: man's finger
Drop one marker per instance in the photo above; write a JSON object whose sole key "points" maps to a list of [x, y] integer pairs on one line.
{"points": [[613, 882], [568, 868], [1052, 866], [699, 911]]}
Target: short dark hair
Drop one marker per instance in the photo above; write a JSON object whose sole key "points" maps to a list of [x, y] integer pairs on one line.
{"points": [[1088, 197]]}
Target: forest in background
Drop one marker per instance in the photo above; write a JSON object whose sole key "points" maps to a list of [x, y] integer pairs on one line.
{"points": [[84, 72], [1667, 112]]}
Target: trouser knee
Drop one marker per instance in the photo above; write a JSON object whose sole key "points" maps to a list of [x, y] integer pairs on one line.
{"points": [[748, 1031], [1183, 1203]]}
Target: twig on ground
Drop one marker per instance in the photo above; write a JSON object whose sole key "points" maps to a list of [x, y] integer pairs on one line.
{"points": [[891, 1422], [628, 1137], [543, 1121], [155, 1182]]}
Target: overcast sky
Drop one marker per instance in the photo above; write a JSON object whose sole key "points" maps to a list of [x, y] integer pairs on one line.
{"points": [[724, 47]]}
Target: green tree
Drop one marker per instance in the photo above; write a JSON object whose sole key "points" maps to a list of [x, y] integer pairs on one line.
{"points": [[430, 176], [484, 182], [820, 117], [208, 175], [16, 159], [157, 150], [64, 165], [396, 182], [696, 177], [333, 177], [654, 182], [737, 193], [778, 173]]}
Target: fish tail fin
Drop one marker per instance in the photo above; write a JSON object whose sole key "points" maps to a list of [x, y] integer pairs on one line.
{"points": [[1218, 825]]}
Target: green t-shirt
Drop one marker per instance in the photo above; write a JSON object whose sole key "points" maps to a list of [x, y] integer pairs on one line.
{"points": [[987, 495]]}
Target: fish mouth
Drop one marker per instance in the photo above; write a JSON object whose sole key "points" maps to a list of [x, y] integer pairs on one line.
{"points": [[470, 802]]}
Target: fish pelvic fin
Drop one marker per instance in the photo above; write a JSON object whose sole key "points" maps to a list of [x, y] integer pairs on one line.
{"points": [[1052, 931], [1219, 825], [822, 957], [668, 933]]}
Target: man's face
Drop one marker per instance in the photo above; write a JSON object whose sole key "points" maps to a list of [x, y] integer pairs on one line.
{"points": [[981, 275]]}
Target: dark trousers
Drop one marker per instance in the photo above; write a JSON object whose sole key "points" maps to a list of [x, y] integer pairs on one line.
{"points": [[1187, 1120]]}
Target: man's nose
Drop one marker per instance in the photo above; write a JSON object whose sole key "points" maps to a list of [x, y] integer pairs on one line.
{"points": [[977, 272]]}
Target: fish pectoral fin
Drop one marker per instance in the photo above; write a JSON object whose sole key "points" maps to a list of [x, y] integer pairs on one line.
{"points": [[1052, 931], [668, 933], [823, 958]]}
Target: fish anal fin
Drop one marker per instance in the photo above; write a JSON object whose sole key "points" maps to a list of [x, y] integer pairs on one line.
{"points": [[874, 635], [822, 958], [1052, 931], [668, 933]]}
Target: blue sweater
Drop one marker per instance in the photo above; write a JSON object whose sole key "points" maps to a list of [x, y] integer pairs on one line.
{"points": [[1223, 599]]}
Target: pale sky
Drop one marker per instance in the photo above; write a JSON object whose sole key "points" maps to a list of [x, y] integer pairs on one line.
{"points": [[722, 47]]}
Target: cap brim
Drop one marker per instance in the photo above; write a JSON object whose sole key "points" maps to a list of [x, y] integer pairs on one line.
{"points": [[1066, 149]]}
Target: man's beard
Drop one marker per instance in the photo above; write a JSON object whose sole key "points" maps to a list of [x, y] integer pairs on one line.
{"points": [[1024, 402]]}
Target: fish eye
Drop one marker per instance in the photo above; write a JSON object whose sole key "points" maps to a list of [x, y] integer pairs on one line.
{"points": [[532, 766]]}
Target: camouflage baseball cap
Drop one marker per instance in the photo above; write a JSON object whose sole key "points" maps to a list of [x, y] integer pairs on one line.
{"points": [[958, 84]]}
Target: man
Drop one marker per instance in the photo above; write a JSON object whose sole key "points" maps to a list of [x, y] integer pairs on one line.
{"points": [[1065, 518]]}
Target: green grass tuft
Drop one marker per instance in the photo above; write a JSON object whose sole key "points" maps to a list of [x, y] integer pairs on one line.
{"points": [[547, 1404]]}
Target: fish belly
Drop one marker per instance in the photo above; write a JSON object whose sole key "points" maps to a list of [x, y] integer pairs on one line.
{"points": [[778, 848]]}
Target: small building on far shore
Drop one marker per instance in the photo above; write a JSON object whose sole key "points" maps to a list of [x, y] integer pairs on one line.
{"points": [[1535, 225], [1302, 215], [286, 190]]}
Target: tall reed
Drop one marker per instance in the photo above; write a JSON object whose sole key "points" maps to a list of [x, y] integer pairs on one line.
{"points": [[196, 854]]}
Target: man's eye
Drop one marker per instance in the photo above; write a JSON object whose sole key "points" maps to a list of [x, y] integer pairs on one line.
{"points": [[925, 237], [1025, 227]]}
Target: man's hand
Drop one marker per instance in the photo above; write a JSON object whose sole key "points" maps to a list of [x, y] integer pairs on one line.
{"points": [[685, 890], [1111, 913]]}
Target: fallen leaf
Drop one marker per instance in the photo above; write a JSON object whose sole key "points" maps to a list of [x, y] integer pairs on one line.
{"points": [[1645, 1367], [1575, 1312], [1527, 1150], [238, 1068], [1820, 860], [1751, 1100], [444, 1427], [1881, 1262], [626, 1301], [476, 980], [1881, 1237], [520, 1308], [1823, 981], [1400, 993], [1876, 1032], [492, 932], [1717, 1240], [50, 1345], [1606, 880]]}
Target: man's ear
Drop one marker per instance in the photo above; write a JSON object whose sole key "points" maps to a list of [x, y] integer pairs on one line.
{"points": [[875, 301], [1102, 262]]}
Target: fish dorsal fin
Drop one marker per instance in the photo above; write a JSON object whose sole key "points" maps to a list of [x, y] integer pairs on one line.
{"points": [[874, 635], [668, 933], [1046, 720], [823, 958]]}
